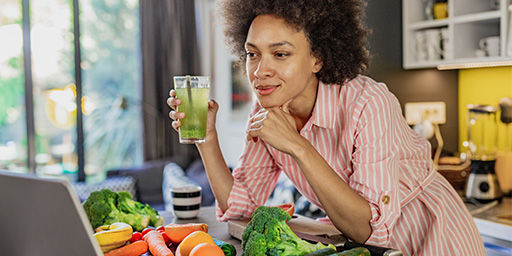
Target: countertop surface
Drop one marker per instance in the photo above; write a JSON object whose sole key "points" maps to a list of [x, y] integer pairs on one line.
{"points": [[493, 219]]}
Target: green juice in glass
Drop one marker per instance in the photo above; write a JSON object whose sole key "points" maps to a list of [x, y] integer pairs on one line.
{"points": [[195, 107]]}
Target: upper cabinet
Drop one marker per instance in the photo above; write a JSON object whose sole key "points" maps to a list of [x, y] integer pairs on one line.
{"points": [[455, 31]]}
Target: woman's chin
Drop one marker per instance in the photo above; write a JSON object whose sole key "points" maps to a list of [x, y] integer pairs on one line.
{"points": [[267, 103]]}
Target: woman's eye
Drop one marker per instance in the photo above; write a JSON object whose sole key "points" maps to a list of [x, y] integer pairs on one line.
{"points": [[282, 54], [250, 54]]}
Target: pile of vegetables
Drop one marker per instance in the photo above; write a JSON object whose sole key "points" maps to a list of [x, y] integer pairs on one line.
{"points": [[267, 234], [105, 207], [190, 239]]}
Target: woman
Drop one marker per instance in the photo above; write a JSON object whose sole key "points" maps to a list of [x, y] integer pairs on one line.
{"points": [[339, 136]]}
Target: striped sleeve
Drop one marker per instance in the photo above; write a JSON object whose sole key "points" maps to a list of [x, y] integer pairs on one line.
{"points": [[375, 161], [254, 180]]}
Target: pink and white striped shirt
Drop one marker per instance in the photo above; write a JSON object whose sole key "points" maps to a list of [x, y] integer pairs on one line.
{"points": [[359, 130]]}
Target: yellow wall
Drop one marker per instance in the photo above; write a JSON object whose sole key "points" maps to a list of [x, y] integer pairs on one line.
{"points": [[483, 86]]}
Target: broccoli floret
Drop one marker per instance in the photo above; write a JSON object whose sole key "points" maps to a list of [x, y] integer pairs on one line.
{"points": [[106, 207], [97, 208], [155, 219], [125, 203], [137, 221], [256, 246], [268, 234]]}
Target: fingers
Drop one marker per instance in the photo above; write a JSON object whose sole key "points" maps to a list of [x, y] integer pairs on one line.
{"points": [[213, 105], [260, 115], [253, 134], [256, 125], [250, 137], [176, 125], [175, 115], [173, 102]]}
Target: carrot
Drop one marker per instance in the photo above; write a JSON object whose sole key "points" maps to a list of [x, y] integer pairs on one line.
{"points": [[156, 244], [134, 249], [178, 232]]}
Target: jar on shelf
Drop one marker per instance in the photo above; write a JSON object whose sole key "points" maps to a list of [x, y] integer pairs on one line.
{"points": [[440, 9]]}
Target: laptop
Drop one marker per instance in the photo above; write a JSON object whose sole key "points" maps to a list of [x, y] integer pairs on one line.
{"points": [[42, 216]]}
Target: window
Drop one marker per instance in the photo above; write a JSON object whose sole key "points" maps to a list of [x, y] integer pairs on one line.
{"points": [[13, 136], [54, 86], [109, 81]]}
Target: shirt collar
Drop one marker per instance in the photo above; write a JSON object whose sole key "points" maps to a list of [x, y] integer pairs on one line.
{"points": [[326, 105]]}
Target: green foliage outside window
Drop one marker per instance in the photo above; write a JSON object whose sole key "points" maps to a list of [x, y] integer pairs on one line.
{"points": [[11, 90], [112, 79]]}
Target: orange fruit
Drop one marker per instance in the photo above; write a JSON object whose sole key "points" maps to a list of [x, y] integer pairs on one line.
{"points": [[289, 208], [206, 249], [191, 241]]}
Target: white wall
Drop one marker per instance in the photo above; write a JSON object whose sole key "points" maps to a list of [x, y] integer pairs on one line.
{"points": [[216, 62]]}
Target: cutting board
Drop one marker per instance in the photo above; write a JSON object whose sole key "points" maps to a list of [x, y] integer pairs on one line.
{"points": [[297, 223]]}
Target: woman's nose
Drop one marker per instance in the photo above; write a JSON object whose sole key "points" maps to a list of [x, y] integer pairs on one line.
{"points": [[264, 69]]}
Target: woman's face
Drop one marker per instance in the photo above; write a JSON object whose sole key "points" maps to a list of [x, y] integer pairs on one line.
{"points": [[279, 64]]}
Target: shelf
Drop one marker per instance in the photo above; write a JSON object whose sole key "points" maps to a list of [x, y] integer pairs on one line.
{"points": [[469, 22], [424, 64], [477, 17], [428, 24], [475, 63]]}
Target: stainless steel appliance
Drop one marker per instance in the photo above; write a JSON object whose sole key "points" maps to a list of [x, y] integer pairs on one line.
{"points": [[482, 183]]}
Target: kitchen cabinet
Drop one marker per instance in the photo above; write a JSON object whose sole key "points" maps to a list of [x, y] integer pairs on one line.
{"points": [[474, 31]]}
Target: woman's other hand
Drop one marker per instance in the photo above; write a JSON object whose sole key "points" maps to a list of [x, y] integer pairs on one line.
{"points": [[276, 126]]}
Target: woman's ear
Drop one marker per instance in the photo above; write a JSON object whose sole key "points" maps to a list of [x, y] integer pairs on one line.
{"points": [[318, 65]]}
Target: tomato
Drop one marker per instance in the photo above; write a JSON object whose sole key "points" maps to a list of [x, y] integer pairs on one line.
{"points": [[136, 236], [160, 228], [146, 230], [289, 208], [167, 240]]}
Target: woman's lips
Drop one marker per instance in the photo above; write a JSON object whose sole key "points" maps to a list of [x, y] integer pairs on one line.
{"points": [[264, 91]]}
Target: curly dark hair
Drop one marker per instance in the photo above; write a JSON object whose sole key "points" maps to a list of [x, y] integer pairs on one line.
{"points": [[334, 28]]}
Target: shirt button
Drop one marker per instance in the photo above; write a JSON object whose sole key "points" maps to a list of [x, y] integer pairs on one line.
{"points": [[385, 199]]}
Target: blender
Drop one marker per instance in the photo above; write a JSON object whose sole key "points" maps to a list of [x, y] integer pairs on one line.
{"points": [[482, 184]]}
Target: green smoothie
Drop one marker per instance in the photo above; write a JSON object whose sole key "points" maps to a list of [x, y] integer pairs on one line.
{"points": [[195, 107]]}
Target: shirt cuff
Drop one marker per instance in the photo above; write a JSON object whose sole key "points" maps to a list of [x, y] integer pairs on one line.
{"points": [[240, 205], [382, 221]]}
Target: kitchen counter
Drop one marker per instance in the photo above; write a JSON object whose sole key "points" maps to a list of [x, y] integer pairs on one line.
{"points": [[494, 219], [494, 222], [491, 221], [219, 230]]}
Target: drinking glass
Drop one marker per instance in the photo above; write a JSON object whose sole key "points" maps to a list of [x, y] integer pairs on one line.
{"points": [[193, 91]]}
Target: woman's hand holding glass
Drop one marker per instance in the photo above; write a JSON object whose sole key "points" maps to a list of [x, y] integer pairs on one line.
{"points": [[176, 116]]}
